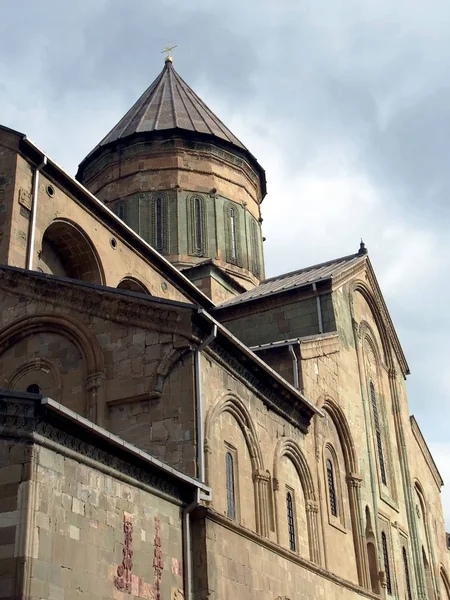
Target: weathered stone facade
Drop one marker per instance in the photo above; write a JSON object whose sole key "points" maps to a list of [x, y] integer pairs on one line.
{"points": [[285, 397]]}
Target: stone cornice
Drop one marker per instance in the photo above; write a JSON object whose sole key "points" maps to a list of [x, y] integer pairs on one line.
{"points": [[426, 452], [107, 303], [322, 344], [365, 266], [274, 396], [29, 421], [294, 558], [381, 304]]}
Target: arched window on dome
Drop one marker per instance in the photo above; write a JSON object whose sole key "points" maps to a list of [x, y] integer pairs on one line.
{"points": [[159, 224], [254, 239], [197, 226], [378, 433], [232, 233]]}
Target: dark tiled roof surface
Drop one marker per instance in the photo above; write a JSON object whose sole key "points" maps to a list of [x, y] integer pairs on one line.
{"points": [[169, 103], [287, 281]]}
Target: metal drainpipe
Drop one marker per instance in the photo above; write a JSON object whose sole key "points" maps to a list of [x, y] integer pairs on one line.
{"points": [[319, 309], [187, 546], [294, 365], [34, 205]]}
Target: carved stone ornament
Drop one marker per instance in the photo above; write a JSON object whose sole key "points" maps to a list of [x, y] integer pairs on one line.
{"points": [[23, 418], [25, 198]]}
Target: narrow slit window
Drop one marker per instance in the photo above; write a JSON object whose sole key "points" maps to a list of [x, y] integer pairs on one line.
{"points": [[231, 505], [407, 579], [378, 434], [122, 211], [387, 569], [290, 520], [159, 223], [331, 488], [198, 230], [255, 248], [233, 244]]}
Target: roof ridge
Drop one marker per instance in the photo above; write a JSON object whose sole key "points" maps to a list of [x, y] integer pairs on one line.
{"points": [[218, 122], [310, 268], [188, 92]]}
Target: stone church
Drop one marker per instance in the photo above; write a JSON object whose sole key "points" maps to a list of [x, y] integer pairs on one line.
{"points": [[173, 424]]}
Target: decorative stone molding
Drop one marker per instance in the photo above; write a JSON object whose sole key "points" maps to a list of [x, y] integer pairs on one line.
{"points": [[275, 397], [26, 420], [148, 313], [322, 344], [35, 364]]}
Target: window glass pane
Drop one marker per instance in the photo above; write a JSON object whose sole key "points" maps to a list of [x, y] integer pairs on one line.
{"points": [[231, 511], [290, 520], [378, 435], [386, 564], [198, 233], [408, 582], [159, 223], [331, 488], [233, 234]]}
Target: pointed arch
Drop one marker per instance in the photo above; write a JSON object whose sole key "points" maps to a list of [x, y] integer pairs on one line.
{"points": [[68, 251], [84, 341], [445, 583], [367, 294], [353, 480], [289, 448], [132, 284], [339, 419], [75, 331], [233, 404]]}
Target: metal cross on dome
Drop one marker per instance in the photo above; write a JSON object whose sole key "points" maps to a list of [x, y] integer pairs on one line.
{"points": [[168, 49]]}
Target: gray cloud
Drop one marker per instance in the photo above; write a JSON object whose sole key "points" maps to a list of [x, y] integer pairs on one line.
{"points": [[344, 102]]}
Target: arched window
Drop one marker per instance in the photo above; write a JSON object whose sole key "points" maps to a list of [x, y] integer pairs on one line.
{"points": [[197, 220], [231, 504], [159, 223], [331, 488], [233, 246], [34, 389], [121, 211], [232, 230], [256, 269], [378, 433], [387, 569], [290, 520], [407, 579], [428, 575]]}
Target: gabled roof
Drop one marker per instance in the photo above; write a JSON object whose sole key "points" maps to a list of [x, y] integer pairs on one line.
{"points": [[169, 104], [296, 279]]}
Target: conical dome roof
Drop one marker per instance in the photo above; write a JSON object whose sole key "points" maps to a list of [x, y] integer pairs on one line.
{"points": [[168, 104]]}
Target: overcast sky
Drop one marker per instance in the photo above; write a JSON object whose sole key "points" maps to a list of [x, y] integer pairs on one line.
{"points": [[346, 104]]}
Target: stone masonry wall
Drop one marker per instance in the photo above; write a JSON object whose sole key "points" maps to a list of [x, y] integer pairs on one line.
{"points": [[15, 474], [96, 537], [280, 321]]}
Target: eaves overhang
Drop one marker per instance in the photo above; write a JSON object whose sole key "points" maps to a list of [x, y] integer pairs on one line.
{"points": [[89, 201]]}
